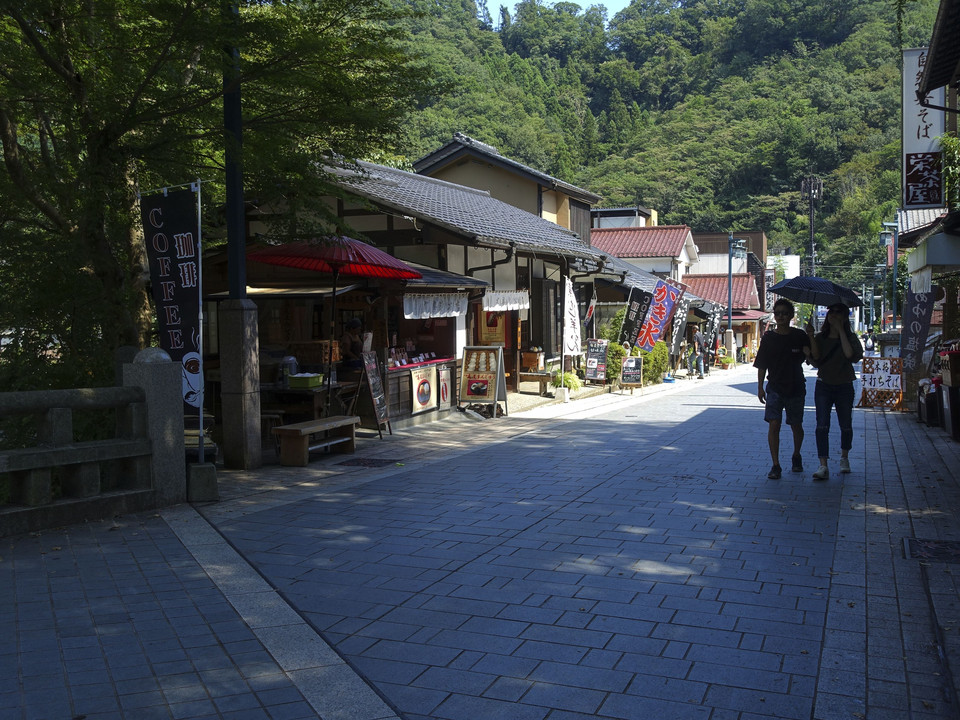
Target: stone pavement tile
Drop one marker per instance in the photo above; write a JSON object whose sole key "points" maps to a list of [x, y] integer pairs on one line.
{"points": [[635, 707], [457, 707]]}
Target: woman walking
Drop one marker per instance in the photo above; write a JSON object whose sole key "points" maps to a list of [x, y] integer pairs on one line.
{"points": [[833, 351]]}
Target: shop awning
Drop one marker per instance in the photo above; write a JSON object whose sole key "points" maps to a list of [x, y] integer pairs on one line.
{"points": [[499, 301], [433, 278], [422, 306], [749, 315]]}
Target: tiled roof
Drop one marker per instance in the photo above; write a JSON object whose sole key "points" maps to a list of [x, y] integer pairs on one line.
{"points": [[464, 211], [645, 242], [714, 288], [635, 277], [464, 145]]}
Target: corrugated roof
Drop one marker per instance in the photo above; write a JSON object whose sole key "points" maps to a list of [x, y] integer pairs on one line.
{"points": [[715, 288], [645, 242], [464, 145], [465, 211]]}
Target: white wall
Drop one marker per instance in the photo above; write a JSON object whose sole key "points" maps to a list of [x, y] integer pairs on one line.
{"points": [[791, 264]]}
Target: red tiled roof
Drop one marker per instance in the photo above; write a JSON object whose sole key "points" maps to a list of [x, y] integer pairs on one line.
{"points": [[645, 242], [714, 288]]}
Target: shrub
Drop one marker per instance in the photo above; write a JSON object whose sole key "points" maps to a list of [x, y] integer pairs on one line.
{"points": [[570, 380], [656, 362]]}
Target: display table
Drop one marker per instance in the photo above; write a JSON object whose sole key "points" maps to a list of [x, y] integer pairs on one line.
{"points": [[308, 402]]}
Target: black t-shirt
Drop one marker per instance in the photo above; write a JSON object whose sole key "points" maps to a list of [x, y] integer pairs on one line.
{"points": [[782, 357], [698, 346]]}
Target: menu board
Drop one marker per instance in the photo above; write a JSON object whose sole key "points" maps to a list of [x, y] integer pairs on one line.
{"points": [[375, 383], [632, 372], [596, 359], [481, 377]]}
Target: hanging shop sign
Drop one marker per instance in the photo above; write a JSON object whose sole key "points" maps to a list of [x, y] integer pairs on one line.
{"points": [[922, 128], [916, 324]]}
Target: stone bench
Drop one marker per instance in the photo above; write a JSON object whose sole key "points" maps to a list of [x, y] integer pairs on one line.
{"points": [[296, 439]]}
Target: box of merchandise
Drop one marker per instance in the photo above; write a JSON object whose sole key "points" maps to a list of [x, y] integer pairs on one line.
{"points": [[305, 380]]}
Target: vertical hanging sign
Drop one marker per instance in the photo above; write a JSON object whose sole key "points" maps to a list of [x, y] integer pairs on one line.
{"points": [[922, 128], [172, 236]]}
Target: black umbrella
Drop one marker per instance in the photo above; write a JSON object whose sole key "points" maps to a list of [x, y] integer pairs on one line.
{"points": [[816, 291]]}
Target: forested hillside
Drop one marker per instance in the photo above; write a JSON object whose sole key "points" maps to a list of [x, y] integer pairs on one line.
{"points": [[709, 111]]}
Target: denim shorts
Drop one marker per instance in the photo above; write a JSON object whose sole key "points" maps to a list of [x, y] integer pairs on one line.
{"points": [[776, 404]]}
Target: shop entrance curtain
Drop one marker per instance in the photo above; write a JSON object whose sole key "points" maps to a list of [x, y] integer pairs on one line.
{"points": [[494, 301], [422, 306]]}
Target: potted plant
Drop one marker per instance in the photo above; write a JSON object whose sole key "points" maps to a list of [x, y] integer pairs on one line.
{"points": [[726, 362]]}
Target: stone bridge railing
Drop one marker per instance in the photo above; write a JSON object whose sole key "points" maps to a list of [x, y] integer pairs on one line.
{"points": [[140, 467]]}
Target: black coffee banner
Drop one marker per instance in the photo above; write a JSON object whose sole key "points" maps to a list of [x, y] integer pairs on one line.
{"points": [[638, 304], [172, 236]]}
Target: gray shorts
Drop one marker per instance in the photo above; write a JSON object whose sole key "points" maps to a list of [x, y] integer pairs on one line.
{"points": [[776, 404]]}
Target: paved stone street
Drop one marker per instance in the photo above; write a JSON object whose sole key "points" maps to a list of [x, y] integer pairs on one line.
{"points": [[622, 556]]}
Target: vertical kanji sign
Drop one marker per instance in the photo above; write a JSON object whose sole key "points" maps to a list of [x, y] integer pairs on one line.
{"points": [[638, 305], [922, 128], [916, 325], [171, 234]]}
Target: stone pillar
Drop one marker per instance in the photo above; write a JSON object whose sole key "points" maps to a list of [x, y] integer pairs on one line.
{"points": [[240, 384], [162, 382]]}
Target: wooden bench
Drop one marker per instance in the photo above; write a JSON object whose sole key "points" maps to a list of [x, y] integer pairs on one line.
{"points": [[295, 439], [544, 378]]}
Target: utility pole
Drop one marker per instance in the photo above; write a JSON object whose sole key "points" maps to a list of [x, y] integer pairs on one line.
{"points": [[811, 189]]}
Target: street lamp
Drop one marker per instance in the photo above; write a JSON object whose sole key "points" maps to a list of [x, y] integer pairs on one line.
{"points": [[735, 247], [880, 273], [811, 189], [894, 234]]}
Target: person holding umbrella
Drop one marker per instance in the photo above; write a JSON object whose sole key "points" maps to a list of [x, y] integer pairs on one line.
{"points": [[780, 359], [833, 352]]}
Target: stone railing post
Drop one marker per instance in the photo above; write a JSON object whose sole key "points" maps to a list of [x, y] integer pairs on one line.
{"points": [[161, 380]]}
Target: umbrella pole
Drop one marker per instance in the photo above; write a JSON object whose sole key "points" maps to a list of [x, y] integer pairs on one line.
{"points": [[333, 331]]}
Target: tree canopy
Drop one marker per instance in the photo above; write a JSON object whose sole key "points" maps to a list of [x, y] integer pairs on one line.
{"points": [[102, 99]]}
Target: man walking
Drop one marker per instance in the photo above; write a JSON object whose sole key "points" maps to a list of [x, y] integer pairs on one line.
{"points": [[780, 359], [699, 348]]}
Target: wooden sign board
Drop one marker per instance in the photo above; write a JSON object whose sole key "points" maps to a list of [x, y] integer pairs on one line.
{"points": [[596, 360], [482, 379], [371, 373], [631, 374], [881, 383]]}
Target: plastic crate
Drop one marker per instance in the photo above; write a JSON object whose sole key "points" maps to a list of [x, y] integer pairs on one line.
{"points": [[305, 380]]}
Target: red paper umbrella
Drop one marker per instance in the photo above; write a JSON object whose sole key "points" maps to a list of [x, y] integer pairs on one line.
{"points": [[335, 255]]}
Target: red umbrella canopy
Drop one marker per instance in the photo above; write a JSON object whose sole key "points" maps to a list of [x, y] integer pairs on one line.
{"points": [[336, 255]]}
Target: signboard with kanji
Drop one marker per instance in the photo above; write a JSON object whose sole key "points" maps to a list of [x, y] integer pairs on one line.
{"points": [[882, 384], [916, 324], [638, 305], [596, 360], [922, 128]]}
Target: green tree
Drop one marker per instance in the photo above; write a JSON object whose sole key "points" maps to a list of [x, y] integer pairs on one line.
{"points": [[103, 98]]}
